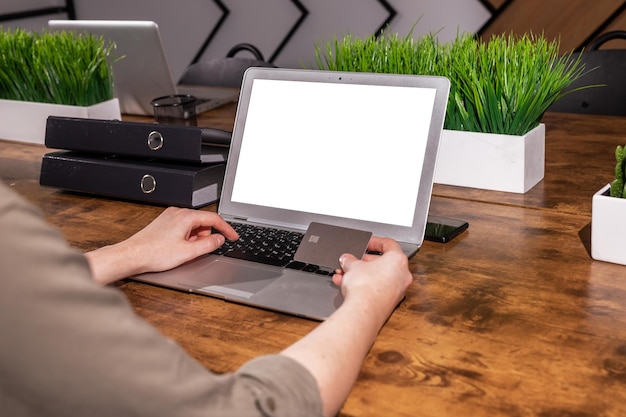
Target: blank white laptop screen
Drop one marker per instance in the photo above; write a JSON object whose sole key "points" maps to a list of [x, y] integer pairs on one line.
{"points": [[336, 152]]}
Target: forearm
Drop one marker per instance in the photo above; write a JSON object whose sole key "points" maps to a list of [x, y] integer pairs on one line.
{"points": [[335, 350], [111, 263]]}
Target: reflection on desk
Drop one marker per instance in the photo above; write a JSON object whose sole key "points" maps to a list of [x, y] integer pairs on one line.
{"points": [[512, 318]]}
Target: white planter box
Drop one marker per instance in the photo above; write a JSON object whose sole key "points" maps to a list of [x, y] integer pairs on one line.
{"points": [[25, 121], [608, 227], [491, 161]]}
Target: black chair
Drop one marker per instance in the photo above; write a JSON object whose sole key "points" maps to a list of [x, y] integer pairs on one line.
{"points": [[224, 72], [605, 68]]}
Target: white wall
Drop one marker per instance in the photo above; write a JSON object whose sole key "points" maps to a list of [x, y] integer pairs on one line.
{"points": [[16, 6], [186, 24]]}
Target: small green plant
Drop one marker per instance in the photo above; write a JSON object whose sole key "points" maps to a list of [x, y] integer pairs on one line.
{"points": [[503, 86], [55, 67], [617, 185]]}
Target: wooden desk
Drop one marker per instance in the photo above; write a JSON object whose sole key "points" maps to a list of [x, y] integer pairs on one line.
{"points": [[579, 161], [513, 318]]}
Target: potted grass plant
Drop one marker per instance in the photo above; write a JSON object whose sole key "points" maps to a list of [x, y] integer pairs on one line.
{"points": [[493, 136], [607, 208], [52, 73]]}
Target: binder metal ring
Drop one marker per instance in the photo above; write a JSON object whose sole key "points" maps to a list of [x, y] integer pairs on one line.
{"points": [[155, 140], [148, 184]]}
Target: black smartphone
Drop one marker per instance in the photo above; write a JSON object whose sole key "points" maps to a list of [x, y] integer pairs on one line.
{"points": [[443, 229]]}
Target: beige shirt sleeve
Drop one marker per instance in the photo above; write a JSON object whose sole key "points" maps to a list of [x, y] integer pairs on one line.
{"points": [[69, 347]]}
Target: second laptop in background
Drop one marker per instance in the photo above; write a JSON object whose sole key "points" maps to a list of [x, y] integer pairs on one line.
{"points": [[141, 69]]}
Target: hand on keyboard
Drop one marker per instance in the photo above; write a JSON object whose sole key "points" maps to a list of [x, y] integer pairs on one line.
{"points": [[268, 246]]}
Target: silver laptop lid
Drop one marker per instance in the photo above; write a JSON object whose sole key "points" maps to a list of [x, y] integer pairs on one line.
{"points": [[350, 149], [140, 66]]}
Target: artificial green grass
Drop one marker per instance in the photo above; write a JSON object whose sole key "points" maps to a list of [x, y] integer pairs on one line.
{"points": [[502, 86], [55, 67]]}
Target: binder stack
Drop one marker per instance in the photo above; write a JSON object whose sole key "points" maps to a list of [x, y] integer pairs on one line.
{"points": [[160, 164]]}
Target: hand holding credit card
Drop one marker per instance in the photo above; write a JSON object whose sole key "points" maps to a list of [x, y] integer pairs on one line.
{"points": [[323, 244]]}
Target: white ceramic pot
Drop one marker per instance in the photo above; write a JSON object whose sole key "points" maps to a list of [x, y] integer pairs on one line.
{"points": [[491, 161], [608, 227], [25, 121]]}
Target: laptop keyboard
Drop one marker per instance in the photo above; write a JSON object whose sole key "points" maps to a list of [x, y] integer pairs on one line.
{"points": [[268, 246]]}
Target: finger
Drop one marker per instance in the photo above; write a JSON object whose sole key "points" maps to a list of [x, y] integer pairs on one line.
{"points": [[205, 219], [370, 257], [337, 278], [225, 229], [203, 232], [383, 245]]}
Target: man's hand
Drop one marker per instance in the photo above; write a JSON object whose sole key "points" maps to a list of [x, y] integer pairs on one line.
{"points": [[174, 237], [372, 287], [379, 279]]}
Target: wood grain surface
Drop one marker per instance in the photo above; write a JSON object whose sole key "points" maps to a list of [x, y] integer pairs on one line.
{"points": [[512, 318], [571, 22]]}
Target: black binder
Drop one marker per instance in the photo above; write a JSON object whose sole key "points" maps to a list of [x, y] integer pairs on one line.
{"points": [[144, 140], [150, 181]]}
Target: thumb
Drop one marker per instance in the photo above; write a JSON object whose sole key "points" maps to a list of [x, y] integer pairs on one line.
{"points": [[346, 260], [215, 241], [207, 244]]}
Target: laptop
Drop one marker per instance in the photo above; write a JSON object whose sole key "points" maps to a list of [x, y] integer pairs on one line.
{"points": [[140, 67], [345, 150]]}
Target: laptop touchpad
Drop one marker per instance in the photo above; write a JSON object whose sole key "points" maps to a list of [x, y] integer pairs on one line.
{"points": [[231, 279]]}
